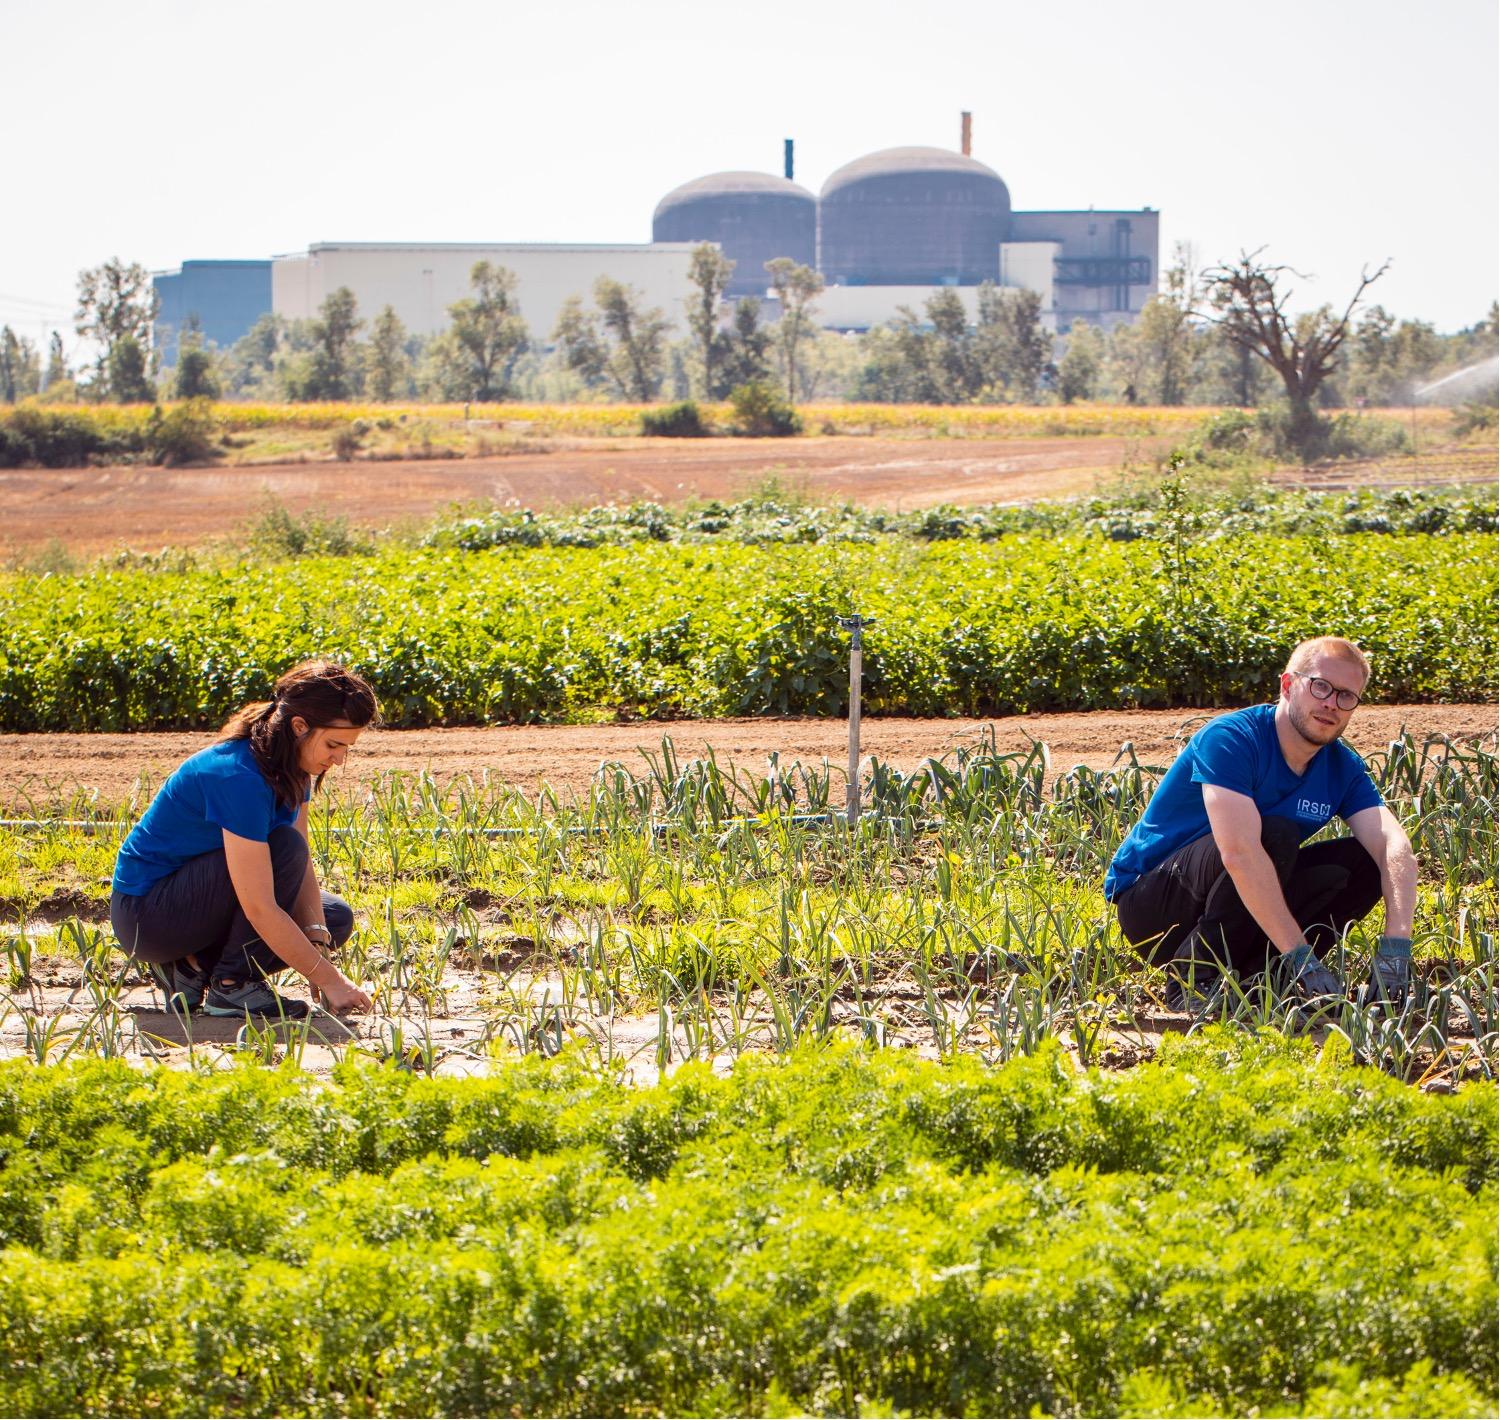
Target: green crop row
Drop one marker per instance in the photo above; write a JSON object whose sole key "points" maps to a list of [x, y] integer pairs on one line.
{"points": [[1244, 1226], [1146, 512], [1023, 624]]}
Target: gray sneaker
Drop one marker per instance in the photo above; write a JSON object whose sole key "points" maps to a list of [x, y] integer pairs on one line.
{"points": [[229, 996], [182, 988], [1195, 980]]}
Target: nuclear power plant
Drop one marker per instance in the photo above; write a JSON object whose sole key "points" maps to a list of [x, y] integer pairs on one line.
{"points": [[886, 231]]}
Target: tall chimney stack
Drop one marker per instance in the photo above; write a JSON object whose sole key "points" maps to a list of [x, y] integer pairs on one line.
{"points": [[787, 158], [968, 133]]}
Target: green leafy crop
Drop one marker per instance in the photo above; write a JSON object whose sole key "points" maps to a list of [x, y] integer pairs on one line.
{"points": [[1025, 623], [1245, 1224]]}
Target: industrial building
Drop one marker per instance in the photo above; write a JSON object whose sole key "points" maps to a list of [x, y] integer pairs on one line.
{"points": [[223, 298], [753, 217], [421, 282], [886, 231]]}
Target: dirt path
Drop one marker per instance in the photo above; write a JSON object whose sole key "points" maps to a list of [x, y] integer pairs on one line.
{"points": [[97, 510], [46, 770]]}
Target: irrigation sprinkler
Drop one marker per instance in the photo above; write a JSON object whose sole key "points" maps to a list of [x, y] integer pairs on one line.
{"points": [[855, 626]]}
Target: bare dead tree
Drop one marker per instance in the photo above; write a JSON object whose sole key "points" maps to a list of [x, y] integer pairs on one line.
{"points": [[1248, 301]]}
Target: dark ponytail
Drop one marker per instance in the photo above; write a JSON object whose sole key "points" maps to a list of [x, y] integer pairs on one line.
{"points": [[323, 693]]}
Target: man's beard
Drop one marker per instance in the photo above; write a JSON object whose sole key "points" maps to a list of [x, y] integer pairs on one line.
{"points": [[1310, 730]]}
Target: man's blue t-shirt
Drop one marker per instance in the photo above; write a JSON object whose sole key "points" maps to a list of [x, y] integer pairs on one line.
{"points": [[1240, 751], [219, 787]]}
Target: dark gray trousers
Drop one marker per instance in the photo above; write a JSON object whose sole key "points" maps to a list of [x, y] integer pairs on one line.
{"points": [[194, 912], [1327, 886]]}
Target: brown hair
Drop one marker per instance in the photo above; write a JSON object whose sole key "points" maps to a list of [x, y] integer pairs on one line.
{"points": [[322, 693], [1306, 652]]}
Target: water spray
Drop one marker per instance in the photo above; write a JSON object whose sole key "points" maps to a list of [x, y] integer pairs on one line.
{"points": [[1471, 380]]}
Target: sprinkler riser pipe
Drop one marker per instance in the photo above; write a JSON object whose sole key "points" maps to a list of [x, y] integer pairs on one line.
{"points": [[856, 673]]}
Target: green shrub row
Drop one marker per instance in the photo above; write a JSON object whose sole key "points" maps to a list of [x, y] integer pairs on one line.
{"points": [[55, 438], [771, 517], [1240, 1225], [1026, 624]]}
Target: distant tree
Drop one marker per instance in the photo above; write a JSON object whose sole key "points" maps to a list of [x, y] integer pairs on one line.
{"points": [[940, 357], [929, 358], [1013, 348], [954, 372], [887, 372], [489, 330], [709, 272], [745, 354], [20, 368], [1166, 335], [387, 369], [197, 375], [126, 376], [579, 341], [621, 344], [57, 363], [1082, 363], [1248, 301], [116, 302], [1229, 374], [331, 371], [1388, 360], [250, 363], [639, 334], [796, 288]]}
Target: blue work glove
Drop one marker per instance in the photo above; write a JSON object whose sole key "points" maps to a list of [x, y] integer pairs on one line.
{"points": [[1310, 979], [1390, 972]]}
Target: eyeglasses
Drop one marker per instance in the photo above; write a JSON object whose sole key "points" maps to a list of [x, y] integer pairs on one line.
{"points": [[1321, 689]]}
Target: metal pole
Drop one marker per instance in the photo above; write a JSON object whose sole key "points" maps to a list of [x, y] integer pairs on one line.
{"points": [[855, 625]]}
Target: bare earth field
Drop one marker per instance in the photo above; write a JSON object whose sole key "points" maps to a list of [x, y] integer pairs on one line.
{"points": [[98, 510], [44, 771]]}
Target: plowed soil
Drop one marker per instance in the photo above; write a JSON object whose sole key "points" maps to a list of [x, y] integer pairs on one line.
{"points": [[92, 511], [38, 771], [96, 510]]}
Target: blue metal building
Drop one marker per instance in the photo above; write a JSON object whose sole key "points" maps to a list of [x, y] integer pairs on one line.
{"points": [[226, 298]]}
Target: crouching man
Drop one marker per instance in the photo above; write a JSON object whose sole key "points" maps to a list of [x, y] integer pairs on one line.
{"points": [[1214, 878]]}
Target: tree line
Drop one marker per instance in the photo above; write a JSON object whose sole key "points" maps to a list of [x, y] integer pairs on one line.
{"points": [[1218, 336]]}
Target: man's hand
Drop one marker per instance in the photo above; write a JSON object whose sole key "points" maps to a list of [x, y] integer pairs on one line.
{"points": [[1310, 979], [1390, 972], [342, 995]]}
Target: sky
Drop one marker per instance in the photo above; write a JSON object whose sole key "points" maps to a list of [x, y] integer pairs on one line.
{"points": [[1335, 134]]}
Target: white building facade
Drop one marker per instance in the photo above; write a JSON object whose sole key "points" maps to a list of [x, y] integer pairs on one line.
{"points": [[421, 282]]}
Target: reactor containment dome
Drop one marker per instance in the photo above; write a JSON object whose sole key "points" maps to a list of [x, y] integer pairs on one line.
{"points": [[754, 217], [912, 217]]}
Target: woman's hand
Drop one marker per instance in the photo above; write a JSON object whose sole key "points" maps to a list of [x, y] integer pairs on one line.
{"points": [[342, 995]]}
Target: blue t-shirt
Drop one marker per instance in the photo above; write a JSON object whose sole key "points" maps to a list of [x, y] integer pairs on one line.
{"points": [[1240, 751], [219, 787]]}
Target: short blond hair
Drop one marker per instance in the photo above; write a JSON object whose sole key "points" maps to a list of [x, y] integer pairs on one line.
{"points": [[1306, 652]]}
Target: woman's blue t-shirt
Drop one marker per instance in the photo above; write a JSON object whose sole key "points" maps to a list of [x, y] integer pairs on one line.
{"points": [[1240, 751], [219, 787]]}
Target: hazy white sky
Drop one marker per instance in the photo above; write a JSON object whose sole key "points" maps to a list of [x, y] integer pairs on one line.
{"points": [[1334, 132]]}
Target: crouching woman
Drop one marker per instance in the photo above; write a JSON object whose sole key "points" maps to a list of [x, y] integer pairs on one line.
{"points": [[214, 888]]}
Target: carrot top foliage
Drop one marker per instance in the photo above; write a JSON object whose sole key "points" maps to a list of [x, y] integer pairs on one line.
{"points": [[1245, 1224]]}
